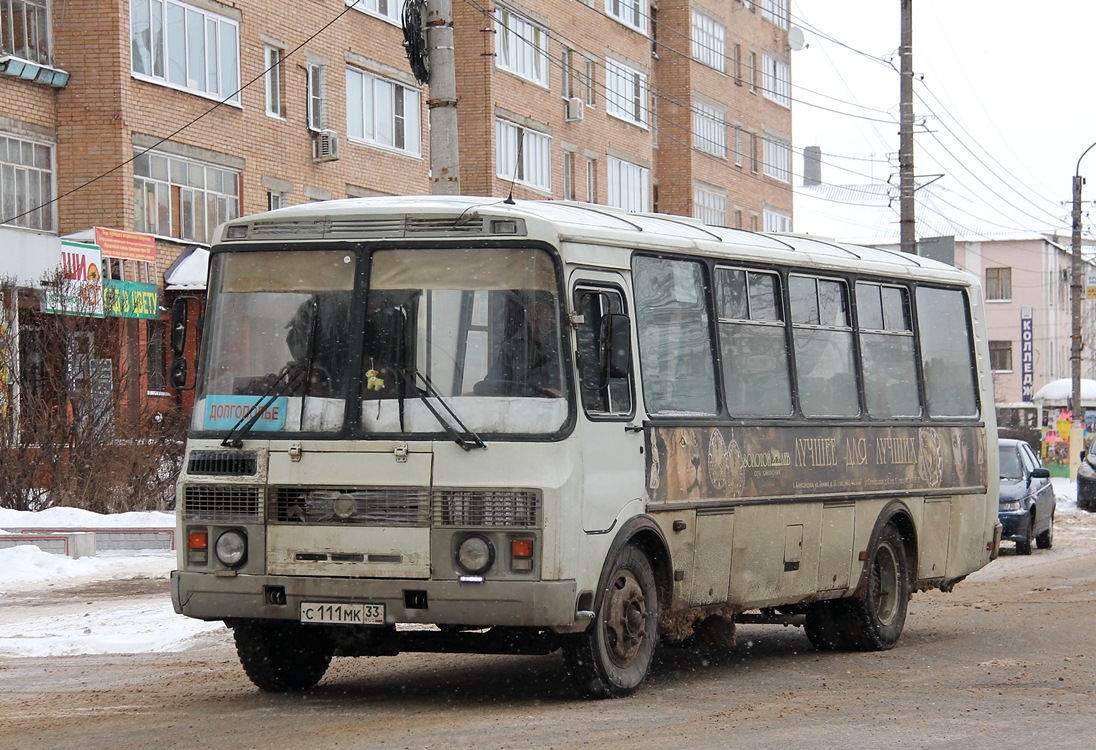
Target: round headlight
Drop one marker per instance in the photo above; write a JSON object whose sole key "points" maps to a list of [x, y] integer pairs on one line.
{"points": [[231, 548], [475, 554]]}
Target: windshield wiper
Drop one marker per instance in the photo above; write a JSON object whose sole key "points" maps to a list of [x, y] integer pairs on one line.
{"points": [[465, 438], [292, 375]]}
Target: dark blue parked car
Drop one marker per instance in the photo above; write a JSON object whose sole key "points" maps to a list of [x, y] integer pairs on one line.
{"points": [[1027, 502]]}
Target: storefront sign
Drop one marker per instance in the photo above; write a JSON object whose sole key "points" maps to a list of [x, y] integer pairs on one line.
{"points": [[80, 288], [130, 245], [131, 299], [1027, 355]]}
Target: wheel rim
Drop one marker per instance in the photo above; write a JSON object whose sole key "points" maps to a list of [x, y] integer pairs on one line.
{"points": [[885, 584], [625, 618]]}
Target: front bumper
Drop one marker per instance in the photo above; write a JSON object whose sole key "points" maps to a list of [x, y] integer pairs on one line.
{"points": [[1015, 525], [511, 603]]}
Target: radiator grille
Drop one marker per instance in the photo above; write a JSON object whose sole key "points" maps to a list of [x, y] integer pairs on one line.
{"points": [[491, 508], [214, 502], [228, 463], [378, 506]]}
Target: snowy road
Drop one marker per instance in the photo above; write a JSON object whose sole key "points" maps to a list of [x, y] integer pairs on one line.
{"points": [[1007, 658]]}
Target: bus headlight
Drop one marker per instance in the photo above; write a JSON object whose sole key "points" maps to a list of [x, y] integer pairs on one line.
{"points": [[475, 554], [231, 548]]}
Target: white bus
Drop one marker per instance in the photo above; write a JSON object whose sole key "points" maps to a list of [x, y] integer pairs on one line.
{"points": [[470, 425]]}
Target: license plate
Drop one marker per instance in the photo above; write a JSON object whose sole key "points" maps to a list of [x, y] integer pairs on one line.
{"points": [[339, 613]]}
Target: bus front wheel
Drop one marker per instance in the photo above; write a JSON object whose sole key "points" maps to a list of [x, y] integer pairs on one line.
{"points": [[611, 659], [875, 619], [282, 657]]}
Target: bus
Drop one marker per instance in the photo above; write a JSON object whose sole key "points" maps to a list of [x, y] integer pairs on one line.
{"points": [[457, 424]]}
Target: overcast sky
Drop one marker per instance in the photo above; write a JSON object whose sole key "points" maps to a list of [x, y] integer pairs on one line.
{"points": [[1006, 91]]}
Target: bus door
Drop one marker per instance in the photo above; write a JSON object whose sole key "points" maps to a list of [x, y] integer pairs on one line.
{"points": [[611, 443]]}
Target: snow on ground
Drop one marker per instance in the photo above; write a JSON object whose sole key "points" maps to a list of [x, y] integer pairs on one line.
{"points": [[149, 624], [79, 624]]}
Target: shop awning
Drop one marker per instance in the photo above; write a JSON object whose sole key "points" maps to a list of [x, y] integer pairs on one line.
{"points": [[189, 271]]}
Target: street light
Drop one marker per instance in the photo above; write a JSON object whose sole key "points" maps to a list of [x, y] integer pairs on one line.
{"points": [[1077, 288]]}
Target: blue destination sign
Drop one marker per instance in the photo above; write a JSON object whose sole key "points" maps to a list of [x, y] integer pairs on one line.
{"points": [[223, 412]]}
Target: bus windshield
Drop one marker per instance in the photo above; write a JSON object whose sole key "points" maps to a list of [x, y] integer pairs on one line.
{"points": [[451, 341]]}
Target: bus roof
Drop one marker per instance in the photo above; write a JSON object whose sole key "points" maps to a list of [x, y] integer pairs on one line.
{"points": [[438, 217]]}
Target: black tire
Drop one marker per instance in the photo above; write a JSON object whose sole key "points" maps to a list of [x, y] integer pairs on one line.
{"points": [[1045, 540], [874, 620], [611, 659], [1024, 547], [826, 625], [282, 657]]}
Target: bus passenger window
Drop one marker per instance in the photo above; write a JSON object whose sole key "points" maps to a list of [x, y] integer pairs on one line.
{"points": [[675, 343], [944, 327], [822, 337], [753, 344], [886, 346], [603, 391]]}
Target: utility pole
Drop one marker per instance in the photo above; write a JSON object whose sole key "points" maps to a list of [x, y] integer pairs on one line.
{"points": [[442, 104], [1077, 290], [908, 222]]}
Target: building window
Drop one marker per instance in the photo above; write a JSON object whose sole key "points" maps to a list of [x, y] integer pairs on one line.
{"points": [[710, 206], [1000, 356], [776, 80], [709, 129], [778, 157], [316, 93], [186, 47], [522, 46], [389, 10], [737, 61], [272, 63], [591, 100], [629, 185], [566, 70], [775, 11], [709, 44], [568, 176], [739, 146], [157, 356], [738, 218], [182, 198], [753, 152], [628, 12], [26, 184], [591, 180], [275, 201], [625, 92], [26, 29], [777, 221], [382, 113], [999, 284], [522, 155], [753, 71]]}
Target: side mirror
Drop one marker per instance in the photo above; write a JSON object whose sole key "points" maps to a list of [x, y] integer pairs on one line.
{"points": [[177, 373], [617, 345], [180, 312], [1040, 473]]}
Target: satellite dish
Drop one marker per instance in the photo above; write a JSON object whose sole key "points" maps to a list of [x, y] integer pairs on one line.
{"points": [[796, 39]]}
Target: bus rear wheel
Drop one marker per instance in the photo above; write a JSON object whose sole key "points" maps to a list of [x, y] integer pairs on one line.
{"points": [[282, 657], [874, 620], [611, 659]]}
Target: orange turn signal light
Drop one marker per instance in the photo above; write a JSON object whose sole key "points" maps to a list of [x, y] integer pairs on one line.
{"points": [[198, 540], [521, 548]]}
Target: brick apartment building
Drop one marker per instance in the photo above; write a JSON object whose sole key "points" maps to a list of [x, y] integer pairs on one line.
{"points": [[158, 119]]}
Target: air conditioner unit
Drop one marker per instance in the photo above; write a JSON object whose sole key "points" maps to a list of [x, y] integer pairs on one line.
{"points": [[325, 146], [575, 109]]}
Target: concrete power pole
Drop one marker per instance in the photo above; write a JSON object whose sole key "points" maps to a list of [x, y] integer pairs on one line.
{"points": [[1077, 291], [442, 104], [907, 187]]}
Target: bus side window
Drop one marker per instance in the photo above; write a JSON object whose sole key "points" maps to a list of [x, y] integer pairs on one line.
{"points": [[604, 385]]}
